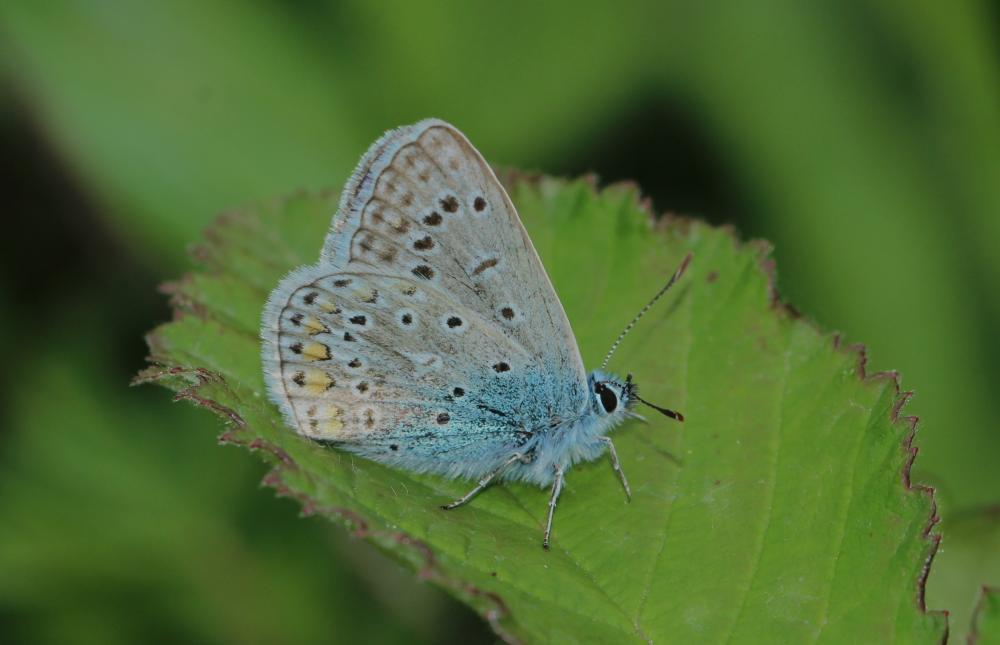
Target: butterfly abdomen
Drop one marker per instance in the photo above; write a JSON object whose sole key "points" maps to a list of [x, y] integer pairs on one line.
{"points": [[565, 444]]}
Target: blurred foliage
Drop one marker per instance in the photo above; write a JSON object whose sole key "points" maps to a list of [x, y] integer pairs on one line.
{"points": [[862, 138], [986, 629], [126, 526]]}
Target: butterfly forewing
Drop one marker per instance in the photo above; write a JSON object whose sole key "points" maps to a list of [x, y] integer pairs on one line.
{"points": [[429, 333], [423, 203]]}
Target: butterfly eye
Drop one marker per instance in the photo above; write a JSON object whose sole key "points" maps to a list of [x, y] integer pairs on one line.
{"points": [[608, 398]]}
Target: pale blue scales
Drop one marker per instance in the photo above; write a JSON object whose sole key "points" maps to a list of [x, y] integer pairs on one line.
{"points": [[428, 335]]}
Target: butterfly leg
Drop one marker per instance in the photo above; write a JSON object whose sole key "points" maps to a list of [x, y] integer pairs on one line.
{"points": [[617, 466], [484, 482], [556, 489]]}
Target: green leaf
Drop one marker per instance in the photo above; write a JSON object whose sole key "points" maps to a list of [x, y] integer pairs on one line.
{"points": [[986, 621], [781, 510]]}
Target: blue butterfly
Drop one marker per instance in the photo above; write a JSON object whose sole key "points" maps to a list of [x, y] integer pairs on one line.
{"points": [[429, 337]]}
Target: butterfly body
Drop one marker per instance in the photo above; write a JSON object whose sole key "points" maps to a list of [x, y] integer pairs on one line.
{"points": [[428, 336]]}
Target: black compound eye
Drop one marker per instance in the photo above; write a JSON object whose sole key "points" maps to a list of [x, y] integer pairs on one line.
{"points": [[608, 398]]}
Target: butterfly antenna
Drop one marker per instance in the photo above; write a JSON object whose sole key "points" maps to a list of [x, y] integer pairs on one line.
{"points": [[633, 392], [618, 341], [673, 414]]}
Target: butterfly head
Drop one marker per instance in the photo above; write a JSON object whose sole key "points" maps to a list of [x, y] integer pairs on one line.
{"points": [[610, 396]]}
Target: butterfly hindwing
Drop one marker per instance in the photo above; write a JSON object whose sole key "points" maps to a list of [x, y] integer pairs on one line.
{"points": [[380, 365]]}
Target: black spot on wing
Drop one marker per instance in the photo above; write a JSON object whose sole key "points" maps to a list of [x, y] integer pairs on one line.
{"points": [[485, 264], [423, 271], [449, 204]]}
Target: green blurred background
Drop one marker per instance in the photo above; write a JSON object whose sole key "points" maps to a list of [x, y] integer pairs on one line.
{"points": [[862, 138]]}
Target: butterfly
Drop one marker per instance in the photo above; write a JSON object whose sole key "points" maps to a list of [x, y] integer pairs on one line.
{"points": [[428, 336]]}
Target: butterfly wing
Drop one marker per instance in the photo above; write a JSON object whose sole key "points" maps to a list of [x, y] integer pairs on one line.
{"points": [[423, 203], [429, 334]]}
